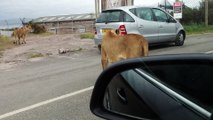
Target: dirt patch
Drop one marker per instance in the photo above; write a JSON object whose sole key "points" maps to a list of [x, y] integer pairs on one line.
{"points": [[39, 47]]}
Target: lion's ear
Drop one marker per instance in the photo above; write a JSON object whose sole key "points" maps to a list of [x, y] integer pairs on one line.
{"points": [[113, 32]]}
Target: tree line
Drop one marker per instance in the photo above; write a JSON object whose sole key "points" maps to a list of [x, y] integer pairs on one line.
{"points": [[197, 15]]}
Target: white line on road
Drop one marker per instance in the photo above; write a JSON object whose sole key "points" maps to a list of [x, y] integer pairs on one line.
{"points": [[209, 52], [44, 103]]}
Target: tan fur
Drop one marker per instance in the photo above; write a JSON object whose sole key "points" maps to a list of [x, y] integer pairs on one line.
{"points": [[117, 47], [20, 33]]}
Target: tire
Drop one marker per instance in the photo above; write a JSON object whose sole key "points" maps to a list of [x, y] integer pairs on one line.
{"points": [[180, 39]]}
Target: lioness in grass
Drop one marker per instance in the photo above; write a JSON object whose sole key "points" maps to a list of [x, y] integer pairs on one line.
{"points": [[116, 47]]}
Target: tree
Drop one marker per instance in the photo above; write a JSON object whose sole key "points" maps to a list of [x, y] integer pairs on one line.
{"points": [[197, 15], [38, 28]]}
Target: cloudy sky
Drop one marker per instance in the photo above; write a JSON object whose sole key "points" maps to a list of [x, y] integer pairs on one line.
{"points": [[10, 9], [190, 3]]}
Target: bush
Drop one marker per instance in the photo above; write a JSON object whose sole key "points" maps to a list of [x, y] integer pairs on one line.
{"points": [[38, 28], [87, 36]]}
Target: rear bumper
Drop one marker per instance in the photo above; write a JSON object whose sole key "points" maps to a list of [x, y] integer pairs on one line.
{"points": [[97, 41]]}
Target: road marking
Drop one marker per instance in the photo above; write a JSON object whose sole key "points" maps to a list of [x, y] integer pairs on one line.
{"points": [[209, 52], [44, 102]]}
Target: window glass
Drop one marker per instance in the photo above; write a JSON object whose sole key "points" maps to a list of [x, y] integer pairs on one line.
{"points": [[193, 81], [114, 16], [160, 15], [133, 11], [109, 16], [102, 17], [128, 18], [143, 13]]}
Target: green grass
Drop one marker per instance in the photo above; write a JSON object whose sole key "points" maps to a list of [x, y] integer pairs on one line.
{"points": [[76, 50], [87, 36], [198, 29], [35, 55], [5, 43]]}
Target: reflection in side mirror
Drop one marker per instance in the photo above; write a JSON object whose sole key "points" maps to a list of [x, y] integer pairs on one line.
{"points": [[121, 98], [165, 88]]}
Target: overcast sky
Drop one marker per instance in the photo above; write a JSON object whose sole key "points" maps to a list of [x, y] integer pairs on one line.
{"points": [[10, 9], [190, 3]]}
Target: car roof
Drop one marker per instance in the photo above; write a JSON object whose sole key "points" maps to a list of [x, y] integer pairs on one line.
{"points": [[129, 7]]}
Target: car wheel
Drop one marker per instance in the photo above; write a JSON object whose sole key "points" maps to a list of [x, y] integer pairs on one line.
{"points": [[180, 39]]}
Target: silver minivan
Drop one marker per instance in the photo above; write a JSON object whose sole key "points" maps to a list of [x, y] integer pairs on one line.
{"points": [[155, 24]]}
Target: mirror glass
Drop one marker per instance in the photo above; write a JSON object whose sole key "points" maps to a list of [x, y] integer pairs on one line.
{"points": [[134, 92], [121, 98]]}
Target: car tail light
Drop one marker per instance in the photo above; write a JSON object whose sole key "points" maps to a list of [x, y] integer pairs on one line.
{"points": [[122, 30]]}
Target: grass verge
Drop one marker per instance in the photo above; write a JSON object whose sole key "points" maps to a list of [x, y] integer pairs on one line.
{"points": [[35, 55], [87, 36], [5, 43], [198, 29]]}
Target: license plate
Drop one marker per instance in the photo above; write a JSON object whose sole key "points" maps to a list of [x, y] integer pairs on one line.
{"points": [[103, 31]]}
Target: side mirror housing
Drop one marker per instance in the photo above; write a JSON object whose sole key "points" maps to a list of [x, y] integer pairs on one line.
{"points": [[101, 106], [171, 20]]}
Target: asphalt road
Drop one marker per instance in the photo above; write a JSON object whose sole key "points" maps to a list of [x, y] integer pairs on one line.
{"points": [[59, 88]]}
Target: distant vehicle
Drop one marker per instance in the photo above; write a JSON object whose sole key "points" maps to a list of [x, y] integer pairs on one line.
{"points": [[155, 24]]}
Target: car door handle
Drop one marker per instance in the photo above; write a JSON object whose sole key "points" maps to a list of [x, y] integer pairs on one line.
{"points": [[122, 95], [141, 27]]}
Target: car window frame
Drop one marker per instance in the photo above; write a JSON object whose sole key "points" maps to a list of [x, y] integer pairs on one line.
{"points": [[188, 104], [181, 88], [173, 93]]}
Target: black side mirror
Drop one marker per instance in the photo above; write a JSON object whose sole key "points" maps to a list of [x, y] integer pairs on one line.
{"points": [[168, 20], [171, 20], [155, 87]]}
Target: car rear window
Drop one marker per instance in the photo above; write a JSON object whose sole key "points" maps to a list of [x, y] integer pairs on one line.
{"points": [[114, 16], [110, 16]]}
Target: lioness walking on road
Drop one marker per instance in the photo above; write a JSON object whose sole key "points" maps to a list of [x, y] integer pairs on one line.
{"points": [[117, 47]]}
